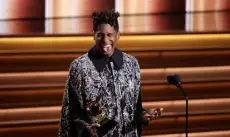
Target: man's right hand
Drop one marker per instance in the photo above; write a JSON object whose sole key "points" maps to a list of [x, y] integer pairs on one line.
{"points": [[91, 129]]}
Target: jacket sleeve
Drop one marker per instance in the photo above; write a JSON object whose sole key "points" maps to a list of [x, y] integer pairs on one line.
{"points": [[139, 108], [74, 118], [138, 115]]}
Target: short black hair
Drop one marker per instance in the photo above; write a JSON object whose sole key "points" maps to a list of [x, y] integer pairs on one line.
{"points": [[105, 17]]}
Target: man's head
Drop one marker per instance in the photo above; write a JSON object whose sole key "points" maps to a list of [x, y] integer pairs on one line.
{"points": [[106, 31]]}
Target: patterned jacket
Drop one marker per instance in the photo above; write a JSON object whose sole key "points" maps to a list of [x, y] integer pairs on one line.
{"points": [[115, 85]]}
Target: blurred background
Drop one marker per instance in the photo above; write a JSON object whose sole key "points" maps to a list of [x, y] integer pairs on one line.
{"points": [[40, 38]]}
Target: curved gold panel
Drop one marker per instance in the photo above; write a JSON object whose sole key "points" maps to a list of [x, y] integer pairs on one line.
{"points": [[36, 130], [50, 96], [171, 108], [167, 125], [29, 115], [195, 91], [189, 74], [197, 123], [149, 76], [148, 59], [127, 43]]}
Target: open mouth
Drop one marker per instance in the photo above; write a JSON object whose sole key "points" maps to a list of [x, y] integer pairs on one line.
{"points": [[107, 48]]}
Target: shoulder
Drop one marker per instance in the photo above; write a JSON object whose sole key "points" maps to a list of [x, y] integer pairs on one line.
{"points": [[80, 63], [130, 59], [131, 63]]}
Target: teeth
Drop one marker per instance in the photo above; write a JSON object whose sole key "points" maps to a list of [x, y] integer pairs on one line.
{"points": [[107, 48]]}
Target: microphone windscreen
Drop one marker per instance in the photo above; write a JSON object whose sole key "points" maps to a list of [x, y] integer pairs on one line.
{"points": [[174, 79]]}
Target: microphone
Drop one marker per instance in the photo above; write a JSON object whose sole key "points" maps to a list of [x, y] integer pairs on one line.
{"points": [[176, 81]]}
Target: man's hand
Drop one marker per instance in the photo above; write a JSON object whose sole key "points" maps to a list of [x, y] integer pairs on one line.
{"points": [[152, 114], [91, 129]]}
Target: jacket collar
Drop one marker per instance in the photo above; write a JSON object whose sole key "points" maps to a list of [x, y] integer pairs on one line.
{"points": [[99, 60]]}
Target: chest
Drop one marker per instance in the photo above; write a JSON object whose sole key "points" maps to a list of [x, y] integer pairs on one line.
{"points": [[103, 86]]}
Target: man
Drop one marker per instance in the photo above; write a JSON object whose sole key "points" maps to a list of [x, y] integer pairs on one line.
{"points": [[109, 77]]}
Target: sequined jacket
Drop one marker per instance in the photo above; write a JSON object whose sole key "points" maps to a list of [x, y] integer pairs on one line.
{"points": [[116, 85]]}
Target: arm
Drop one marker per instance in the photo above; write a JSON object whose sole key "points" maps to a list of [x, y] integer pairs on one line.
{"points": [[143, 117], [73, 115], [139, 110], [138, 114]]}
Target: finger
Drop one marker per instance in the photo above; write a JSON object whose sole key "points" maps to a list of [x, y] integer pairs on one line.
{"points": [[150, 117], [146, 115], [95, 125], [161, 109], [91, 129], [154, 111], [158, 111], [156, 116]]}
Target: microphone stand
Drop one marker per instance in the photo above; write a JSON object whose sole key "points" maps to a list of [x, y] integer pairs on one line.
{"points": [[186, 97]]}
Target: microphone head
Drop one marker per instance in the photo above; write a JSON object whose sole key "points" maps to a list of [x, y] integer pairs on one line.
{"points": [[174, 79]]}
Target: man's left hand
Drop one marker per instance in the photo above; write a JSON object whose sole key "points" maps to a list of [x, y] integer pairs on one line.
{"points": [[152, 114]]}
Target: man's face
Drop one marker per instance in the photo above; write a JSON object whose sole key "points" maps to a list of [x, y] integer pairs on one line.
{"points": [[106, 39]]}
